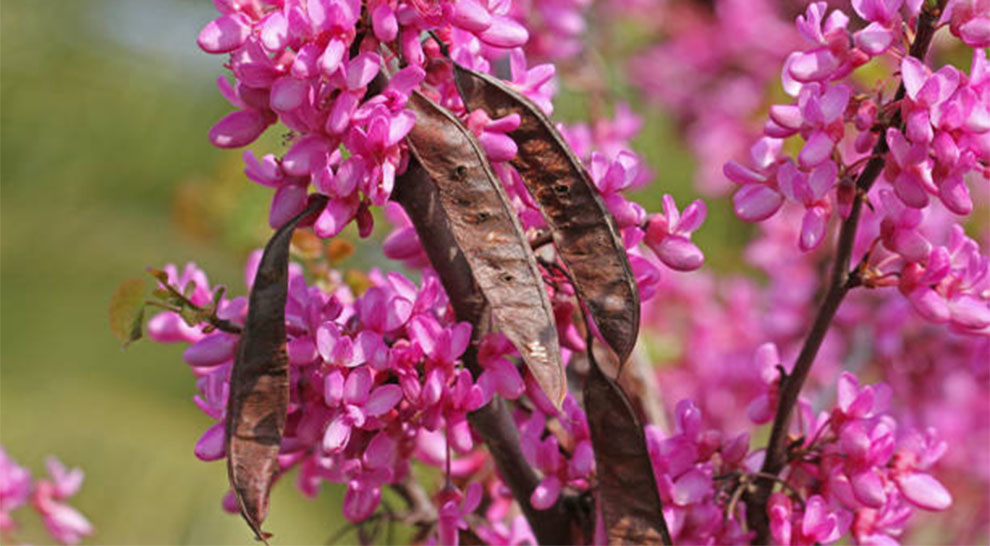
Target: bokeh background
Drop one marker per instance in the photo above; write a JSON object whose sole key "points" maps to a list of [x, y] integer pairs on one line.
{"points": [[106, 170]]}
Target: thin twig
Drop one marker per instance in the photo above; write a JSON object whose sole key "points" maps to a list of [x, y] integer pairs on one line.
{"points": [[839, 285], [784, 483], [214, 321], [420, 509], [223, 325]]}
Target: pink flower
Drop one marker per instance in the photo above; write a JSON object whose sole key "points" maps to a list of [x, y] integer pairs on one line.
{"points": [[910, 170], [66, 524], [669, 235], [500, 373], [899, 229], [883, 28], [225, 34], [811, 190], [969, 20], [818, 524], [758, 197], [614, 176], [453, 507], [948, 287], [860, 403], [493, 134], [357, 402], [766, 360], [831, 57]]}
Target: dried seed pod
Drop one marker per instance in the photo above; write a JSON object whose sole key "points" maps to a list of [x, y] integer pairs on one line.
{"points": [[259, 381], [420, 198], [627, 489], [584, 231], [485, 228]]}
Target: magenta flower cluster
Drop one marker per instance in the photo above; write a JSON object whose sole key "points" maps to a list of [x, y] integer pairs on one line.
{"points": [[308, 64], [305, 64], [946, 133], [361, 408], [710, 326], [857, 472], [47, 496]]}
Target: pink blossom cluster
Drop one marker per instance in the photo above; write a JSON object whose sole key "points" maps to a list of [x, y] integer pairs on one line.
{"points": [[615, 168], [940, 381], [945, 139], [47, 497], [368, 131], [946, 134], [309, 63], [856, 472], [696, 469], [376, 382], [708, 329]]}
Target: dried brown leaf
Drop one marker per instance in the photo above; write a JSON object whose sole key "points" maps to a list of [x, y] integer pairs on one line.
{"points": [[259, 381], [584, 232], [470, 200], [627, 489]]}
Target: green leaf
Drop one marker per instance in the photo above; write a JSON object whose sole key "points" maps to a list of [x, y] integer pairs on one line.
{"points": [[137, 329], [127, 310], [164, 295]]}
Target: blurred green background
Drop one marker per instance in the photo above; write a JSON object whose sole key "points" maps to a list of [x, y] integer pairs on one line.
{"points": [[106, 170]]}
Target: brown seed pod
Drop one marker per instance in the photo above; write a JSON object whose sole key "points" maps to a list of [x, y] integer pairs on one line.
{"points": [[420, 198], [485, 228], [627, 489], [584, 232], [259, 381]]}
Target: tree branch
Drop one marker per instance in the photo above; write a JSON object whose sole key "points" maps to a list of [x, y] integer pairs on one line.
{"points": [[494, 424], [841, 281], [421, 510]]}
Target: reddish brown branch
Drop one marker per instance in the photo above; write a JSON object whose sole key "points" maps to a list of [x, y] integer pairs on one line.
{"points": [[841, 281], [494, 424], [420, 508]]}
